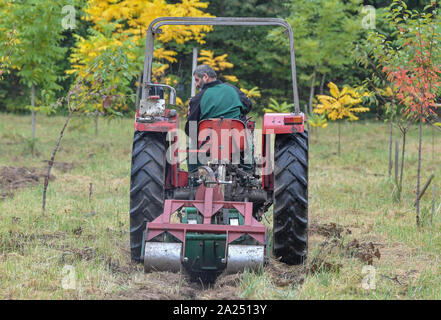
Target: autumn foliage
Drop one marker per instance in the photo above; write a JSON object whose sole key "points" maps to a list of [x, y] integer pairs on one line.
{"points": [[418, 83], [341, 104]]}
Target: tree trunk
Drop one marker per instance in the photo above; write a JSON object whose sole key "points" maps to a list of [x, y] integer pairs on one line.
{"points": [[311, 93], [400, 187], [307, 123], [51, 161], [419, 171], [339, 134], [193, 68], [138, 89], [396, 162], [322, 84], [96, 122], [390, 150], [433, 144], [33, 111], [433, 203]]}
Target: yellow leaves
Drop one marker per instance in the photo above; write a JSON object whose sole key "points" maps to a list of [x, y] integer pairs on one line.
{"points": [[317, 121], [159, 71], [341, 104], [333, 89], [168, 55], [179, 102], [218, 63], [122, 25], [8, 39], [87, 49], [252, 93], [360, 109], [388, 92], [181, 34], [230, 78], [138, 14], [327, 99], [276, 107]]}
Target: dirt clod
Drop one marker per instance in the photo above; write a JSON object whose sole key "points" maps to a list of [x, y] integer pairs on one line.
{"points": [[286, 275], [329, 230], [322, 261], [366, 252], [13, 178], [333, 248]]}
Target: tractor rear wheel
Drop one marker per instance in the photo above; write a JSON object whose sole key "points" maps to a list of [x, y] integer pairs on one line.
{"points": [[147, 185], [291, 197]]}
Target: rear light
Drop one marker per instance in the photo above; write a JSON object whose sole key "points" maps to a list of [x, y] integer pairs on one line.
{"points": [[289, 120], [251, 125]]}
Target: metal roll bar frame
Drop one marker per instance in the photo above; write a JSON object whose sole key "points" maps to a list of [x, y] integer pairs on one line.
{"points": [[155, 25]]}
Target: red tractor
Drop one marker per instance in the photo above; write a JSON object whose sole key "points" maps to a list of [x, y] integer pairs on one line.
{"points": [[208, 221]]}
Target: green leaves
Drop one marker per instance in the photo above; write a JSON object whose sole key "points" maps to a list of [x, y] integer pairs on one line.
{"points": [[105, 87], [276, 107], [37, 52], [323, 32]]}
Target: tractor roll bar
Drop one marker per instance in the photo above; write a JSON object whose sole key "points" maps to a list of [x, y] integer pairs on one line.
{"points": [[155, 25]]}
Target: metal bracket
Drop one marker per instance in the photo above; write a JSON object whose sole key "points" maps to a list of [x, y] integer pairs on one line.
{"points": [[148, 85]]}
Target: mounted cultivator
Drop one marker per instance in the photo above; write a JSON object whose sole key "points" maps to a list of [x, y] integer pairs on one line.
{"points": [[208, 221]]}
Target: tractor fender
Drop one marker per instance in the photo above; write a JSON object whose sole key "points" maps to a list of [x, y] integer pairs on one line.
{"points": [[281, 123]]}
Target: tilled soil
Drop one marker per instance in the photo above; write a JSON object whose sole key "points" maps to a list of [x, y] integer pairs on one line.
{"points": [[13, 178], [332, 244], [177, 286]]}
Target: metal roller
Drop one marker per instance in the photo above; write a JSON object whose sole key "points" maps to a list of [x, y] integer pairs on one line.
{"points": [[162, 256], [244, 256]]}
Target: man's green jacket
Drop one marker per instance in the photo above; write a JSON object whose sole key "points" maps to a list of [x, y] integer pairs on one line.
{"points": [[217, 99]]}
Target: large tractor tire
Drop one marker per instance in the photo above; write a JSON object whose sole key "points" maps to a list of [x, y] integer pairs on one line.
{"points": [[147, 185], [291, 197]]}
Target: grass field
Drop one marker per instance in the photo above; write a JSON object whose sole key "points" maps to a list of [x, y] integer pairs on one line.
{"points": [[81, 243]]}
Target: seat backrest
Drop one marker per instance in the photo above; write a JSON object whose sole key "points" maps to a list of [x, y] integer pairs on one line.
{"points": [[223, 137]]}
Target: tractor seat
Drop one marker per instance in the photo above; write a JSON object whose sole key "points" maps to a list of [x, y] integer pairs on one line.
{"points": [[226, 136]]}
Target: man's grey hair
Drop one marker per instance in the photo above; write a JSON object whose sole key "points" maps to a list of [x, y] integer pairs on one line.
{"points": [[202, 69]]}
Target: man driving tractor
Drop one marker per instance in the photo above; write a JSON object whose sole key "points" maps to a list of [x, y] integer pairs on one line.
{"points": [[215, 99]]}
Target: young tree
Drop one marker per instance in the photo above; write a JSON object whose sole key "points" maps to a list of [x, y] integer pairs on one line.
{"points": [[340, 104], [96, 84], [37, 51], [414, 67], [276, 107], [324, 30], [122, 25]]}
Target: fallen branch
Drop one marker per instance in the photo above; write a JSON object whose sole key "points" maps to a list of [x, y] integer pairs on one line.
{"points": [[393, 279]]}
